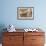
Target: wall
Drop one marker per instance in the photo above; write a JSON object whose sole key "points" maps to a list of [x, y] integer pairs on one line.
{"points": [[8, 13]]}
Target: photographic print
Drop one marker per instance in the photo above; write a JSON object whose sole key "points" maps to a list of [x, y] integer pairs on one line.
{"points": [[25, 13]]}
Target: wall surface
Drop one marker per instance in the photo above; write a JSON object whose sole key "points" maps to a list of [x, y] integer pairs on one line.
{"points": [[8, 10]]}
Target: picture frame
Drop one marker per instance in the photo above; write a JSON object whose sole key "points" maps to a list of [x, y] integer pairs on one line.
{"points": [[25, 13]]}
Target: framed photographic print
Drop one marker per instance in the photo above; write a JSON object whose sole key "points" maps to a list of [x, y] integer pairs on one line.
{"points": [[25, 13]]}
